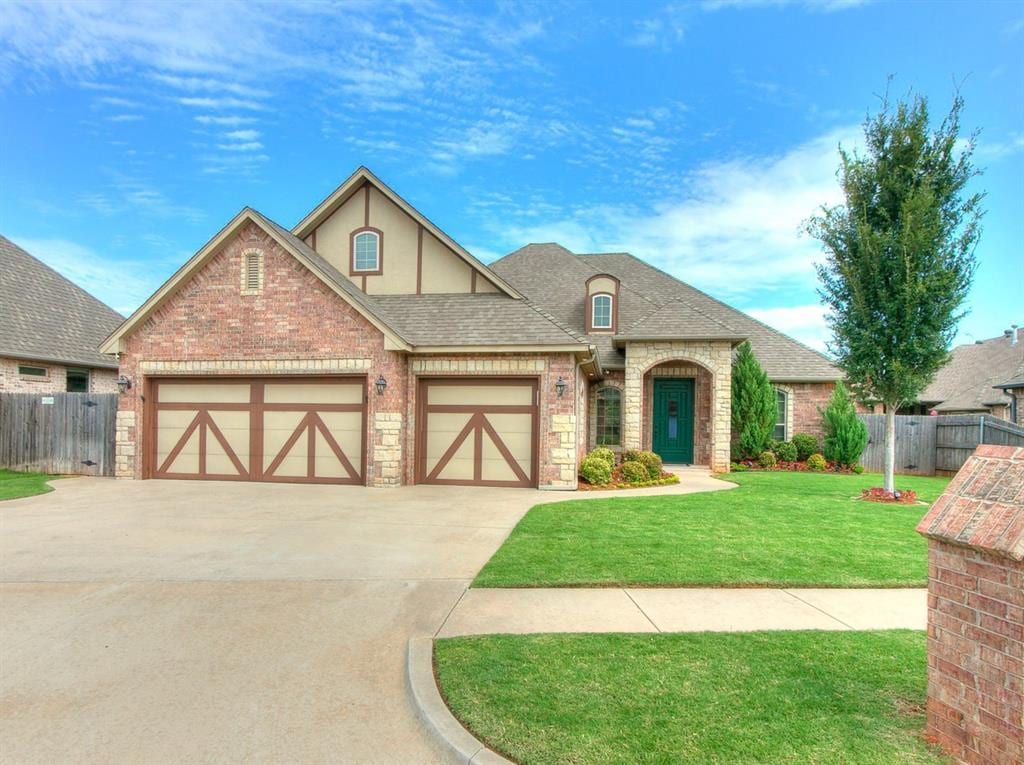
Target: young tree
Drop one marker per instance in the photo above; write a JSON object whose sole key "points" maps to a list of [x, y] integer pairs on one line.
{"points": [[754, 404], [899, 255], [846, 435]]}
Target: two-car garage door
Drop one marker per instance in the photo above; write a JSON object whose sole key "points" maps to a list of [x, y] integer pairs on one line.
{"points": [[306, 430]]}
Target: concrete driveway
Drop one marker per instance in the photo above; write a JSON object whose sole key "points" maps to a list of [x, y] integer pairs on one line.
{"points": [[172, 622]]}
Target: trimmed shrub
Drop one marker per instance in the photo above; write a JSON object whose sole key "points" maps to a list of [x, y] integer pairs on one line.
{"points": [[806, 445], [603, 453], [738, 467], [817, 463], [766, 460], [754, 403], [652, 462], [596, 471], [846, 436], [631, 455], [858, 469], [785, 451], [634, 472]]}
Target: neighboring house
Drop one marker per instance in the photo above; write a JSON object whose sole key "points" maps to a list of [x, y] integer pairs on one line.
{"points": [[366, 346], [984, 377], [50, 330]]}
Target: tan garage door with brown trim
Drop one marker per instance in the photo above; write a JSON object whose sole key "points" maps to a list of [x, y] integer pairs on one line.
{"points": [[295, 430], [477, 431]]}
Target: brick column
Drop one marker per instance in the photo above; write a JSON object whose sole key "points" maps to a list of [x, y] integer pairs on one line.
{"points": [[976, 610]]}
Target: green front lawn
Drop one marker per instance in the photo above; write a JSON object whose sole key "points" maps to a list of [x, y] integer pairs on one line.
{"points": [[15, 485], [737, 698], [776, 529]]}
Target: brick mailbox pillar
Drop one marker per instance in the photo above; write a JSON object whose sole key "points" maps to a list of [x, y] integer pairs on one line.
{"points": [[975, 537]]}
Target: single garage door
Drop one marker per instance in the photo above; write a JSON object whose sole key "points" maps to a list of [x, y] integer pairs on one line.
{"points": [[477, 432], [301, 430]]}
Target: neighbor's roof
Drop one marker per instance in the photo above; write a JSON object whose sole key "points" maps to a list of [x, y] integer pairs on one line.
{"points": [[967, 382], [45, 317], [651, 304], [983, 506]]}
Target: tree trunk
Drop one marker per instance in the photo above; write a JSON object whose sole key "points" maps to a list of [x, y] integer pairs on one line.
{"points": [[890, 447]]}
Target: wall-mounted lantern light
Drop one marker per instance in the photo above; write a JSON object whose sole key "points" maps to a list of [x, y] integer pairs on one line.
{"points": [[560, 386], [123, 384], [381, 384]]}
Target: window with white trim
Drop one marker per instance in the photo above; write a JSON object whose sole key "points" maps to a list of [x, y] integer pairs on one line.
{"points": [[601, 312], [781, 400], [366, 253]]}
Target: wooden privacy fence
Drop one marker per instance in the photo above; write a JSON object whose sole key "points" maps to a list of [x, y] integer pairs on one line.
{"points": [[58, 432], [929, 445]]}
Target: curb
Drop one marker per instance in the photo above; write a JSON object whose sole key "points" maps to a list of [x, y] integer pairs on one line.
{"points": [[459, 744]]}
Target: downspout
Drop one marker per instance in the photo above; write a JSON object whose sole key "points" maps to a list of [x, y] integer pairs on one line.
{"points": [[586, 400]]}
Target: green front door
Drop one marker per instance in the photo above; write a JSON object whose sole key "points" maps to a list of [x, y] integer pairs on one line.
{"points": [[673, 420]]}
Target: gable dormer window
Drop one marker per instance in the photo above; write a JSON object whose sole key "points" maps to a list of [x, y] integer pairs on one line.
{"points": [[367, 251], [601, 312]]}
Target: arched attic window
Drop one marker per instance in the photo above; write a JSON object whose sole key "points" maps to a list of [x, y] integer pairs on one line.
{"points": [[601, 311], [367, 251], [602, 303]]}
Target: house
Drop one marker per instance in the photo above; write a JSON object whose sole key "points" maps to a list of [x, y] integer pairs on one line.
{"points": [[984, 377], [366, 346], [50, 330]]}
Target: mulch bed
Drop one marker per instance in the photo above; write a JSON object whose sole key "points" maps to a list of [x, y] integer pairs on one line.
{"points": [[618, 482], [877, 494]]}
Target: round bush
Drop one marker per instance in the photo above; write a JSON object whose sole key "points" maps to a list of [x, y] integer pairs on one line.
{"points": [[805, 444], [603, 453], [738, 467], [816, 462], [631, 455], [858, 469], [652, 463], [634, 472], [766, 460], [785, 451], [596, 471]]}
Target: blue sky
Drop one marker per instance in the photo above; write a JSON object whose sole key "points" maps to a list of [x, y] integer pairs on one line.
{"points": [[697, 135]]}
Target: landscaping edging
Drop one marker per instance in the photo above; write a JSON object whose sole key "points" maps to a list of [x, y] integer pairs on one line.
{"points": [[459, 744]]}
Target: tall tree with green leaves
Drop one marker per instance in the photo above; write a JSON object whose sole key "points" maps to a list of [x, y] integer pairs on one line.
{"points": [[754, 405], [899, 254]]}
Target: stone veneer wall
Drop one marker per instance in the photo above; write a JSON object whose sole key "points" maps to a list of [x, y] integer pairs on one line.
{"points": [[100, 380], [558, 432], [714, 356], [976, 610]]}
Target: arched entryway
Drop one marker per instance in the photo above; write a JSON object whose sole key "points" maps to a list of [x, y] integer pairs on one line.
{"points": [[676, 420]]}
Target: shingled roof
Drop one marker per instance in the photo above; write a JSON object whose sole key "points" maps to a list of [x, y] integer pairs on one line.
{"points": [[45, 317], [967, 382], [652, 305]]}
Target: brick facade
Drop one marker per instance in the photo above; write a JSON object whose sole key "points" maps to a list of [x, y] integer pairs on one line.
{"points": [[806, 400], [297, 325], [976, 610], [100, 380]]}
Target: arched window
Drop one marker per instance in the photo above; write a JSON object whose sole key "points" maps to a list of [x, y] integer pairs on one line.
{"points": [[608, 415], [781, 400], [601, 312], [366, 251]]}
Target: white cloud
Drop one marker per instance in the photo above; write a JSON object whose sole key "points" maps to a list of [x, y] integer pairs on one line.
{"points": [[247, 146], [122, 285], [222, 102], [735, 227], [806, 323], [825, 6], [125, 118], [206, 119], [243, 135], [664, 31]]}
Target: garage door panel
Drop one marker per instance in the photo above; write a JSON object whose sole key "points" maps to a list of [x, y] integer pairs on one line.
{"points": [[193, 438], [203, 393], [469, 436]]}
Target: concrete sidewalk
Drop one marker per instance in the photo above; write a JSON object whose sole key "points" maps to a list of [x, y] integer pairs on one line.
{"points": [[521, 611]]}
